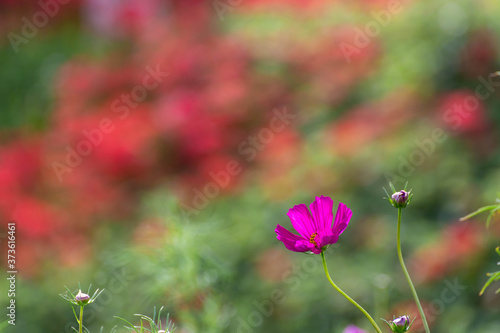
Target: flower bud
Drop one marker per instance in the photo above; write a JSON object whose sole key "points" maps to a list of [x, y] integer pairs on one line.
{"points": [[402, 321], [400, 198], [82, 298], [400, 325]]}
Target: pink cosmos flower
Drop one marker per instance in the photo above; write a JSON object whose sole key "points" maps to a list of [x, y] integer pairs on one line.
{"points": [[316, 230]]}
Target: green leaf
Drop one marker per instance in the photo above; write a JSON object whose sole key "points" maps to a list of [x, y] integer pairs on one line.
{"points": [[479, 211], [493, 277], [490, 216], [132, 327]]}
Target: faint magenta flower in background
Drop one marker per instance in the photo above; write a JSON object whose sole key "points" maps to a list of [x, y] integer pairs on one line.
{"points": [[316, 230], [353, 329]]}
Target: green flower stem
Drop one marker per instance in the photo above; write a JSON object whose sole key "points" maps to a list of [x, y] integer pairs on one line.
{"points": [[348, 298], [405, 271], [80, 322]]}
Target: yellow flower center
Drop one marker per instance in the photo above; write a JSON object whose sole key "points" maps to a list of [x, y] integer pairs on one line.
{"points": [[312, 238]]}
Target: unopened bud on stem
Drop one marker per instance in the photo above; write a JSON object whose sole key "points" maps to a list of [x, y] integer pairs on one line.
{"points": [[82, 298]]}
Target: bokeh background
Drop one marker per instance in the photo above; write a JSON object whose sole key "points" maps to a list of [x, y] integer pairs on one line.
{"points": [[150, 147]]}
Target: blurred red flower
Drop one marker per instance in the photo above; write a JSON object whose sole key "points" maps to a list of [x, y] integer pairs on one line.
{"points": [[479, 54], [462, 111], [457, 245]]}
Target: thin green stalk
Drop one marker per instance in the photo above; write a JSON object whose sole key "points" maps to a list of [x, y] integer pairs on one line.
{"points": [[405, 271], [348, 298], [80, 322]]}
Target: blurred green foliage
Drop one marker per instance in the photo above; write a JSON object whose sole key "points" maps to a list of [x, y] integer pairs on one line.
{"points": [[28, 76]]}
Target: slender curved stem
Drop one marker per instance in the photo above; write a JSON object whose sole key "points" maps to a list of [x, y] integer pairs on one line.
{"points": [[80, 322], [348, 298], [405, 271]]}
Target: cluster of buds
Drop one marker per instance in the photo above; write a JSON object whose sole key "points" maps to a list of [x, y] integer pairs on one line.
{"points": [[399, 199], [401, 324]]}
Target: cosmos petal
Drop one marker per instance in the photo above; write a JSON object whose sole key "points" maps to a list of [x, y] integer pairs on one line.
{"points": [[288, 238], [326, 237], [322, 212], [304, 246], [301, 220], [342, 219]]}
